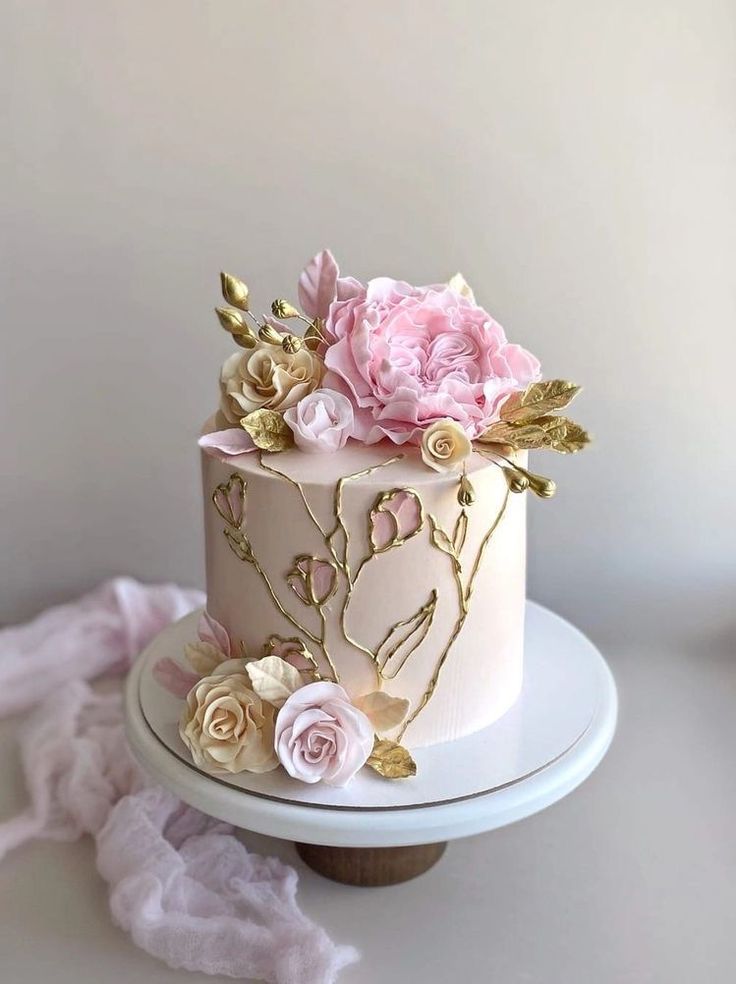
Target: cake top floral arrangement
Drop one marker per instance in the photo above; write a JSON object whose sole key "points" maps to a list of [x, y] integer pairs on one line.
{"points": [[422, 366]]}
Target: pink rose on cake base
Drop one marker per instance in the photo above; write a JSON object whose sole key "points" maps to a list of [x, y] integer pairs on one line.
{"points": [[407, 356], [322, 736]]}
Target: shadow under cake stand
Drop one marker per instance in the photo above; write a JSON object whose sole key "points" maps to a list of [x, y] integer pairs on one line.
{"points": [[377, 831]]}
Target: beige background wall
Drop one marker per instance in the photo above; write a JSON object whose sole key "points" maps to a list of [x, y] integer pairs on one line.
{"points": [[574, 159]]}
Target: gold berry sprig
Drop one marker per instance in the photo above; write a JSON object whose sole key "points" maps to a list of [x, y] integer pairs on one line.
{"points": [[233, 320]]}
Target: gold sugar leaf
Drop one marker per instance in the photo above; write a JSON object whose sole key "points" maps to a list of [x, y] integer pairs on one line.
{"points": [[269, 430], [537, 400], [562, 434], [554, 433], [234, 291], [391, 760], [248, 341], [314, 334], [526, 437], [459, 284], [232, 321]]}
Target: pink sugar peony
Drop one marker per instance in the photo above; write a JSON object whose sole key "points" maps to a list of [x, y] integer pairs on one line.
{"points": [[407, 356], [320, 735]]}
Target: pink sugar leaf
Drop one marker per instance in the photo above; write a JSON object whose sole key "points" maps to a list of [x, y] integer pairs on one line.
{"points": [[384, 529], [212, 631], [169, 675], [297, 585], [232, 441], [318, 284], [323, 580], [407, 511]]}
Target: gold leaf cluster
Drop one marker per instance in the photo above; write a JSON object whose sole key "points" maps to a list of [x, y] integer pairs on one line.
{"points": [[527, 422], [391, 760]]}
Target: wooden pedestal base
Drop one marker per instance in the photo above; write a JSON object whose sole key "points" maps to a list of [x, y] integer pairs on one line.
{"points": [[371, 866]]}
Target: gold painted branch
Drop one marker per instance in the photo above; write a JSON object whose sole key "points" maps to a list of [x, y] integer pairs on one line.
{"points": [[464, 597]]}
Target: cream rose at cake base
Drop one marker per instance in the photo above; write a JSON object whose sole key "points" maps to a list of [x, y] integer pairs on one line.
{"points": [[365, 483], [400, 604]]}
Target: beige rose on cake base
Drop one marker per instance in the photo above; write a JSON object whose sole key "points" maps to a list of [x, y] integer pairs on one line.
{"points": [[226, 726], [445, 446], [266, 376]]}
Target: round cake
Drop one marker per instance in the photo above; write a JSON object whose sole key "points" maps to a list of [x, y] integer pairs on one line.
{"points": [[365, 490], [417, 584]]}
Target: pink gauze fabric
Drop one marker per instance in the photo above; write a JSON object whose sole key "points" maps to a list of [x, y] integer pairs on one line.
{"points": [[180, 883]]}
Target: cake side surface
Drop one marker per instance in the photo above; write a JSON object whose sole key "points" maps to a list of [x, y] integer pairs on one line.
{"points": [[429, 608]]}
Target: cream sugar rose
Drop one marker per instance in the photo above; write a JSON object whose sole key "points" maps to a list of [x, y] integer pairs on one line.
{"points": [[364, 483]]}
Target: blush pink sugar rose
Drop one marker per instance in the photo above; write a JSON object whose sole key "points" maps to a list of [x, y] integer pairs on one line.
{"points": [[320, 736], [321, 422], [407, 356]]}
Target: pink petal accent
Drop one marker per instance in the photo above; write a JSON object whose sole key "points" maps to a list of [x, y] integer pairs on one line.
{"points": [[235, 498], [398, 517], [232, 441], [296, 583], [407, 511], [323, 580], [318, 284], [383, 529], [169, 675], [210, 630]]}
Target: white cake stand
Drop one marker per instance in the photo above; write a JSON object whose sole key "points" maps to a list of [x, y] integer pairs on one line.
{"points": [[377, 831]]}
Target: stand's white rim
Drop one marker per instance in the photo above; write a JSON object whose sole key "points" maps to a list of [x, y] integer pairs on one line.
{"points": [[391, 826]]}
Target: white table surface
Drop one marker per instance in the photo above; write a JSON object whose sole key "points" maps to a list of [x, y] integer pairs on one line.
{"points": [[630, 880]]}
